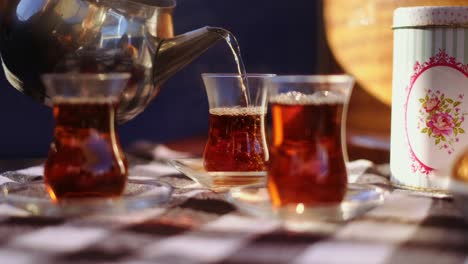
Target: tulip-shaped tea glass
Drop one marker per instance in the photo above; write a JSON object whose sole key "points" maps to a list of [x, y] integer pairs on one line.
{"points": [[85, 159], [307, 164], [237, 138]]}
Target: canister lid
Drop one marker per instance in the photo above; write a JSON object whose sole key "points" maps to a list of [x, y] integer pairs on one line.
{"points": [[429, 16]]}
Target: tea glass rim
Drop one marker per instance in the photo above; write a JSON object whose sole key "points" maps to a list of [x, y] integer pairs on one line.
{"points": [[161, 4], [236, 75], [158, 4], [85, 85], [86, 76], [313, 78]]}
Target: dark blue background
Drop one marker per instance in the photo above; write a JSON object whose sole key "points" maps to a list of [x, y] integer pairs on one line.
{"points": [[275, 37]]}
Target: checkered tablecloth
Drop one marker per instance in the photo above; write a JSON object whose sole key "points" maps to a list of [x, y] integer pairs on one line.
{"points": [[199, 226]]}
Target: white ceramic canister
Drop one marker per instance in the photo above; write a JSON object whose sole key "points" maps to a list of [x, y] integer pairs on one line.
{"points": [[429, 96]]}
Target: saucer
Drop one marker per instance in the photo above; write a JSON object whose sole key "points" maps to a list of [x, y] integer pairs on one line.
{"points": [[360, 198], [217, 181], [32, 197]]}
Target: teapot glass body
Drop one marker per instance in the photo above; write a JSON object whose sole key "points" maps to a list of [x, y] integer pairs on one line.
{"points": [[90, 36]]}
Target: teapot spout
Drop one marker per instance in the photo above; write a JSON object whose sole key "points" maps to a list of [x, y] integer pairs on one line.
{"points": [[171, 55]]}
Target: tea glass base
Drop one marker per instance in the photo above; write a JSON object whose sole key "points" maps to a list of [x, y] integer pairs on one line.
{"points": [[138, 194], [217, 181], [254, 200]]}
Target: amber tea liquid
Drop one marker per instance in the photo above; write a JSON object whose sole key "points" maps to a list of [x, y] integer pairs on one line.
{"points": [[236, 140], [306, 164], [86, 159]]}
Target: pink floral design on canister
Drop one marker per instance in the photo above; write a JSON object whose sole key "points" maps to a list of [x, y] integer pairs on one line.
{"points": [[441, 124]]}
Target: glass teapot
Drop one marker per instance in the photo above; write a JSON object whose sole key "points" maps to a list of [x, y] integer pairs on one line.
{"points": [[97, 36]]}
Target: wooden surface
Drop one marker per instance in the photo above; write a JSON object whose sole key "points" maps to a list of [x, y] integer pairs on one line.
{"points": [[359, 41], [368, 127], [360, 35]]}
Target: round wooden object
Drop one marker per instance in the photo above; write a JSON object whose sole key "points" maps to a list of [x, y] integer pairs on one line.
{"points": [[360, 36]]}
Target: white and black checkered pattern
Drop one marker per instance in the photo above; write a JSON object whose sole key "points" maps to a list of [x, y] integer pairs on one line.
{"points": [[199, 226]]}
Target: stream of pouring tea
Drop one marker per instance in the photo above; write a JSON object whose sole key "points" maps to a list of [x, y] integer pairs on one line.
{"points": [[234, 46]]}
